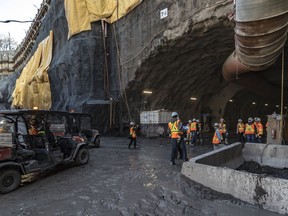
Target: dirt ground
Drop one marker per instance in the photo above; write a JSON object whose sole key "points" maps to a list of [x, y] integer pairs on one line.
{"points": [[122, 181]]}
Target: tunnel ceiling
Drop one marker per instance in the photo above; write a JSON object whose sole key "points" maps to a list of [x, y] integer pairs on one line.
{"points": [[185, 68]]}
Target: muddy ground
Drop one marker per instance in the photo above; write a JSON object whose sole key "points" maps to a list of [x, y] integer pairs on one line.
{"points": [[122, 181]]}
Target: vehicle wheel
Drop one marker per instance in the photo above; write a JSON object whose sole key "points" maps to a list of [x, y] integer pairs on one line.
{"points": [[97, 142], [82, 156], [9, 180]]}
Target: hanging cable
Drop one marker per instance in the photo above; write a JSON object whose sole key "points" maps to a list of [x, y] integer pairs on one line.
{"points": [[121, 84], [282, 98]]}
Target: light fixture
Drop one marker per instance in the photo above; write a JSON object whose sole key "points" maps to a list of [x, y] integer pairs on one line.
{"points": [[147, 92], [193, 98], [231, 100], [266, 104], [35, 108], [253, 103]]}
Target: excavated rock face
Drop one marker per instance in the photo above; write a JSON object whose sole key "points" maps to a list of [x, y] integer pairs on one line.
{"points": [[177, 57]]}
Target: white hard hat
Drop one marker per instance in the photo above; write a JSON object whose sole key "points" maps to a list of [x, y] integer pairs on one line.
{"points": [[259, 119], [193, 119], [250, 119], [239, 120], [215, 125], [221, 119], [189, 121], [132, 123], [174, 114], [197, 120]]}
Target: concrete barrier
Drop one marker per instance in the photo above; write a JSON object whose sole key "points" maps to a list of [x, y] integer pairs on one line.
{"points": [[228, 156], [270, 193], [267, 154]]}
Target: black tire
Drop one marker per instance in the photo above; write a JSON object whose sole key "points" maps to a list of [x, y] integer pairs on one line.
{"points": [[82, 156], [10, 180], [96, 142]]}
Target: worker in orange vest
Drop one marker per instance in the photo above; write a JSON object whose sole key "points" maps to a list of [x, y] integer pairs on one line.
{"points": [[250, 130], [216, 140], [175, 127], [193, 129], [132, 135], [240, 130], [259, 131]]}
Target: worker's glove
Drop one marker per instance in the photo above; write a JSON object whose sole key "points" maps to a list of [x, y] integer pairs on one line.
{"points": [[256, 135]]}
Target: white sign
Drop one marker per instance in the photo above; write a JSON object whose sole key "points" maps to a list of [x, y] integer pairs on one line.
{"points": [[163, 13]]}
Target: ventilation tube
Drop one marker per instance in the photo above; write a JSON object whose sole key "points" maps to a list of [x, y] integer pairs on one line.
{"points": [[260, 35]]}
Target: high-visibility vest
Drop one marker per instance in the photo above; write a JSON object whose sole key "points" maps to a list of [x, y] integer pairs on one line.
{"points": [[215, 139], [240, 127], [249, 129], [133, 132], [174, 129], [222, 128], [260, 129], [193, 126]]}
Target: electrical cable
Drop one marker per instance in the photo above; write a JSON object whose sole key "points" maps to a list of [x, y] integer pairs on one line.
{"points": [[121, 85]]}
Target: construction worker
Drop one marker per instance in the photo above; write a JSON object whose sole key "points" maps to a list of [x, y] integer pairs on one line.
{"points": [[132, 135], [175, 127], [240, 130], [259, 131], [193, 130], [250, 130], [33, 127], [223, 131], [216, 140]]}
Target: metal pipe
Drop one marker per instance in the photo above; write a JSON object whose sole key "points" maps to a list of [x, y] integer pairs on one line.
{"points": [[260, 35]]}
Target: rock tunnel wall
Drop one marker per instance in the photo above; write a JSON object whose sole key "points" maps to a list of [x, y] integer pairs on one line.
{"points": [[177, 57]]}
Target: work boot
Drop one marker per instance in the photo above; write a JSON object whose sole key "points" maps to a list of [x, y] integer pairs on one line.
{"points": [[172, 163]]}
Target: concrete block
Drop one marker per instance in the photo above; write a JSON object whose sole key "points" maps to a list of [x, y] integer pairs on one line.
{"points": [[270, 193], [213, 170], [267, 154], [228, 156]]}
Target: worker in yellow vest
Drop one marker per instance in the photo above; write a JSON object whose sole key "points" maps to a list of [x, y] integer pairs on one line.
{"points": [[259, 131], [223, 131], [216, 140], [175, 127], [240, 130], [193, 129], [250, 130]]}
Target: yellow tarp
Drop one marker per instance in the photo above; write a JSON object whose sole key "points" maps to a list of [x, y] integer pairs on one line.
{"points": [[32, 88], [80, 13]]}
